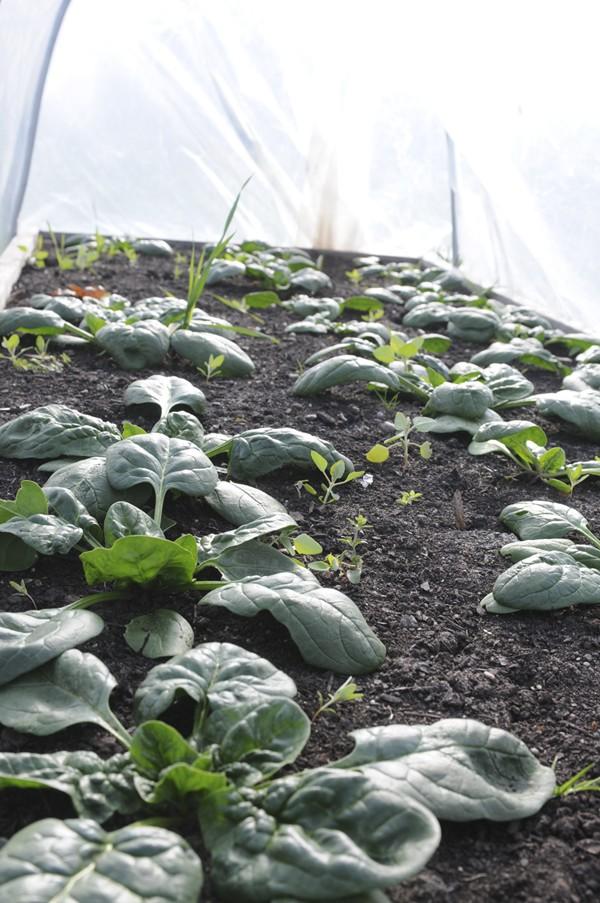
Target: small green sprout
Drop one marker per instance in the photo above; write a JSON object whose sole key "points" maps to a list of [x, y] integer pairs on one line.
{"points": [[332, 476], [20, 587], [212, 367], [38, 255], [404, 426], [33, 359], [180, 264], [408, 497], [354, 276], [346, 692], [577, 784], [349, 562]]}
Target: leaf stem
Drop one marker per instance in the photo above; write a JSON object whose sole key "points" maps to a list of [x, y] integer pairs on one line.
{"points": [[95, 598]]}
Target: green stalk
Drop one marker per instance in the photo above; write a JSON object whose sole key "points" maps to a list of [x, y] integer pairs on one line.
{"points": [[96, 598], [205, 586]]}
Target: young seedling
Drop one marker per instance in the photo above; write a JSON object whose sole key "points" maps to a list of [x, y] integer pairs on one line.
{"points": [[332, 476], [212, 367], [36, 359], [354, 276], [63, 260], [349, 563], [408, 497], [404, 426], [21, 588], [346, 692], [38, 255], [180, 264], [199, 270], [577, 784]]}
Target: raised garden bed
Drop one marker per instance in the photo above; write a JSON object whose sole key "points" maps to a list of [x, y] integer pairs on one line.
{"points": [[426, 567]]}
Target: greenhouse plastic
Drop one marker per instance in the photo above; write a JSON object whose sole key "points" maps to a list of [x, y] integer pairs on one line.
{"points": [[356, 123]]}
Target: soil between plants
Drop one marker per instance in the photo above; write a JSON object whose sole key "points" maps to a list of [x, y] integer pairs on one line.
{"points": [[424, 573]]}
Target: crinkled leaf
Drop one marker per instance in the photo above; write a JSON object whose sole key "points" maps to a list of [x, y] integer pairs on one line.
{"points": [[459, 769], [180, 781], [254, 557], [255, 453], [325, 624], [72, 689], [181, 425], [68, 507], [311, 280], [47, 534], [584, 378], [137, 346], [32, 638], [508, 384], [320, 836], [55, 430], [240, 504], [160, 634], [218, 674], [123, 519], [542, 520], [28, 319], [517, 551], [142, 560], [98, 787], [340, 370], [157, 745], [75, 859], [167, 392]]}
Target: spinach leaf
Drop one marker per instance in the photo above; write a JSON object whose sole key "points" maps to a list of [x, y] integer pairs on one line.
{"points": [[68, 507], [319, 836], [166, 392], [340, 370], [325, 624], [76, 859], [72, 689], [581, 410], [162, 462], [123, 519], [197, 347], [32, 638], [543, 520], [54, 431], [137, 346], [180, 425], [47, 534], [240, 504], [159, 634], [143, 560], [215, 674], [469, 400], [212, 546], [255, 453], [543, 582], [88, 482], [460, 769]]}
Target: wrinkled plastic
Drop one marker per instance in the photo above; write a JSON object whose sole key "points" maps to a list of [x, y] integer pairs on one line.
{"points": [[156, 112]]}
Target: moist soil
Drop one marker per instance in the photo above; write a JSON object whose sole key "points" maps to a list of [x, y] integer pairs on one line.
{"points": [[426, 566]]}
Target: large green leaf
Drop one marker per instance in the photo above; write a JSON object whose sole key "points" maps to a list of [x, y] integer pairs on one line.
{"points": [[75, 860], [164, 463], [68, 507], [449, 423], [47, 534], [255, 453], [160, 634], [508, 384], [28, 319], [340, 370], [88, 482], [134, 347], [142, 560], [460, 769], [167, 392], [240, 504], [528, 351], [254, 557], [319, 836], [219, 674], [98, 787], [180, 425], [54, 431], [30, 499], [581, 410], [543, 582], [472, 325], [325, 624], [584, 378], [539, 519], [469, 400], [32, 638], [197, 347], [72, 689], [157, 745]]}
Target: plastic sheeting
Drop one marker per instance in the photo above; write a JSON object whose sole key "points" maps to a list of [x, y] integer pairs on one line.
{"points": [[155, 112]]}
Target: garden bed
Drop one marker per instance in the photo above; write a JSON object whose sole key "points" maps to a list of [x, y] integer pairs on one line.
{"points": [[425, 570]]}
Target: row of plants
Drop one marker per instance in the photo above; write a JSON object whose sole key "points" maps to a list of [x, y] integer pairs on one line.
{"points": [[342, 831]]}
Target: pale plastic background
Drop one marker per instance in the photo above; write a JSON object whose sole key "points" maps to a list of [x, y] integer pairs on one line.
{"points": [[154, 113]]}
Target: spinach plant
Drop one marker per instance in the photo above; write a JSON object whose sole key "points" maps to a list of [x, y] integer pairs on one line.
{"points": [[352, 827]]}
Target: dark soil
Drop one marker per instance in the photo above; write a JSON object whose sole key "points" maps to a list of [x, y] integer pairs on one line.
{"points": [[425, 572]]}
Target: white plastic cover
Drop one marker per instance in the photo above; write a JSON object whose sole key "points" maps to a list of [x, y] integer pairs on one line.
{"points": [[156, 111]]}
